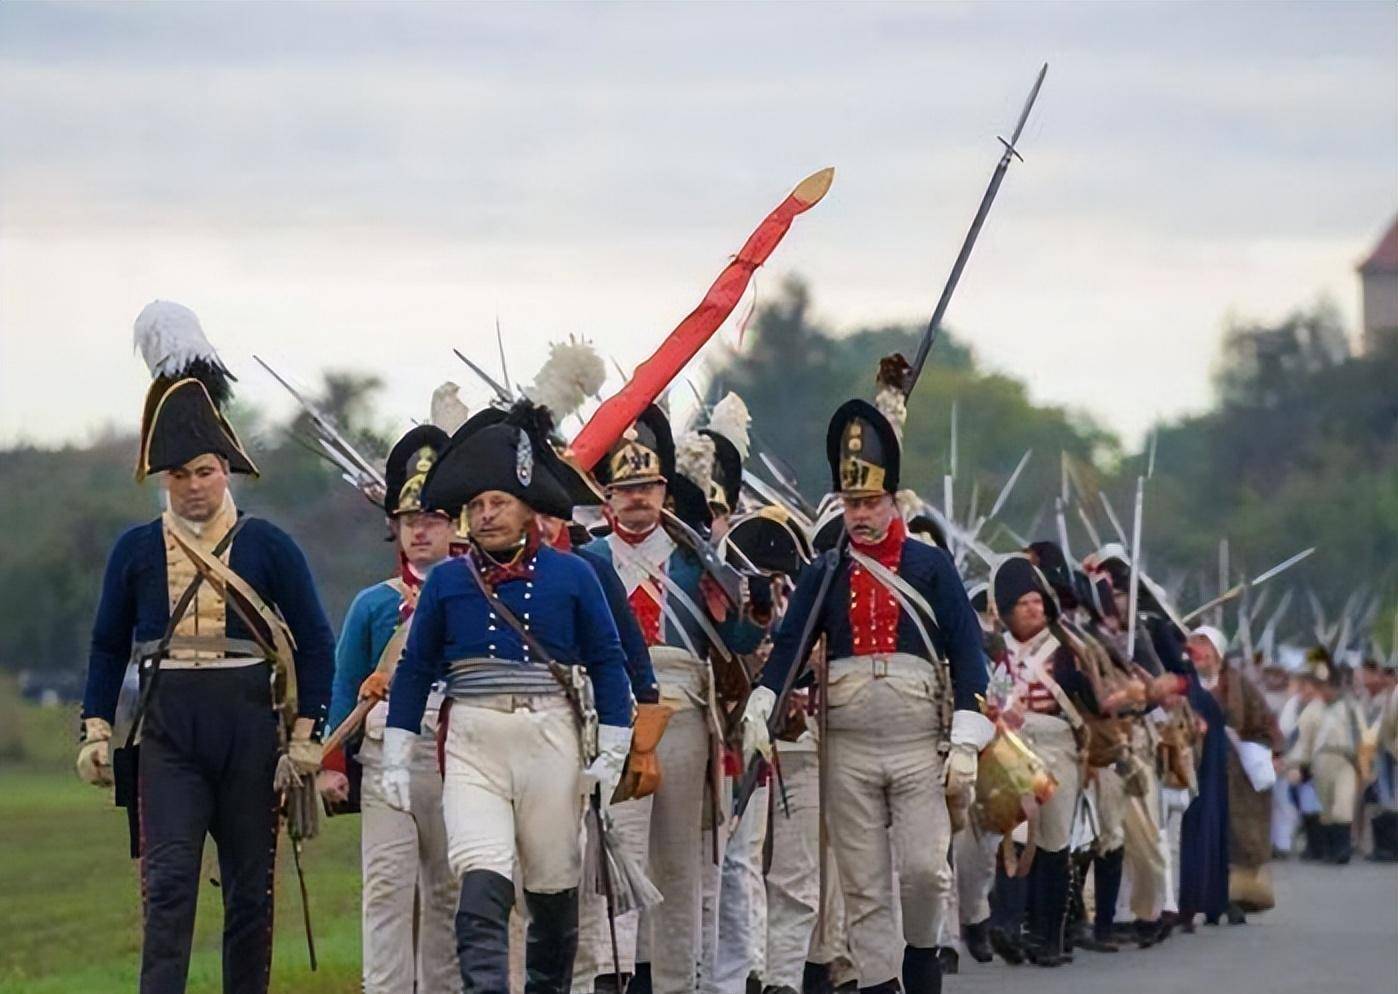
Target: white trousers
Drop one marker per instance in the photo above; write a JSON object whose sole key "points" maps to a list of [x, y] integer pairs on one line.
{"points": [[678, 854], [974, 854], [1052, 740], [793, 881], [887, 808], [513, 790], [404, 859], [740, 901]]}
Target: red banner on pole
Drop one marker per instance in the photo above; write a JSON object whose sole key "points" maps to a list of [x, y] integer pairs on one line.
{"points": [[610, 420]]}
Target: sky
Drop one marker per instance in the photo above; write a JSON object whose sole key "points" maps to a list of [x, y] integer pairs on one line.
{"points": [[366, 186]]}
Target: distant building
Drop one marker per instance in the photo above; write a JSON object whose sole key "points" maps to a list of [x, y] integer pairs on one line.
{"points": [[1378, 277]]}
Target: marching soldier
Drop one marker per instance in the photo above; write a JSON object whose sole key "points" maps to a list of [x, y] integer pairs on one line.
{"points": [[500, 624], [1049, 694], [224, 707], [404, 852], [1326, 751], [677, 606], [886, 691]]}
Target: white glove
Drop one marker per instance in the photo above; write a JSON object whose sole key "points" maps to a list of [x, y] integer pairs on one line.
{"points": [[395, 779], [961, 772], [756, 738], [95, 757], [613, 743]]}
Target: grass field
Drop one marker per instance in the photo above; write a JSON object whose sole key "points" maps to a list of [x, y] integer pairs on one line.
{"points": [[70, 897]]}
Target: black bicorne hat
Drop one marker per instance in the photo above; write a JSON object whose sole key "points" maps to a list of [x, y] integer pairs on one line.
{"points": [[862, 449], [645, 454], [405, 471], [925, 524], [181, 422], [499, 450], [1013, 577], [182, 417], [769, 540], [1049, 557]]}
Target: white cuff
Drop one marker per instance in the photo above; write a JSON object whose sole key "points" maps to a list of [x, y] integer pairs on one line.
{"points": [[971, 728], [397, 747]]}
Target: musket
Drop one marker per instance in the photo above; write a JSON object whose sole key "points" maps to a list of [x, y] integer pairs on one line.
{"points": [[834, 559], [1134, 588], [338, 448], [501, 392], [995, 507], [787, 481], [1111, 516], [1261, 578], [998, 176], [1223, 573], [305, 900]]}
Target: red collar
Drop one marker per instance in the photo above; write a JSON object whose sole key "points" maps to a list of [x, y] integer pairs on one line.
{"points": [[626, 534], [521, 567], [889, 549]]}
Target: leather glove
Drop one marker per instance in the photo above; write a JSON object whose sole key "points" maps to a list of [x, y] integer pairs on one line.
{"points": [[374, 687], [613, 743], [304, 753], [641, 774], [395, 779], [961, 773], [756, 737], [94, 756]]}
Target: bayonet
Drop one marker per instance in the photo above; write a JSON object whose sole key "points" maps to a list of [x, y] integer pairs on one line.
{"points": [[1134, 588], [1261, 578], [504, 368], [996, 178], [1111, 516], [502, 394]]}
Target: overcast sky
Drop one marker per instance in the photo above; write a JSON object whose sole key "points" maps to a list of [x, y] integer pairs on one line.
{"points": [[367, 186]]}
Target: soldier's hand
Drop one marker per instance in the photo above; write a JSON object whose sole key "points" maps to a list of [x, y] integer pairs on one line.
{"points": [[395, 780], [95, 757], [961, 773], [756, 737], [374, 687], [333, 785], [306, 755]]}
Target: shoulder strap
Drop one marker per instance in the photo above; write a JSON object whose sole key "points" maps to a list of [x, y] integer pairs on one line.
{"points": [[1041, 673], [176, 616], [393, 648]]}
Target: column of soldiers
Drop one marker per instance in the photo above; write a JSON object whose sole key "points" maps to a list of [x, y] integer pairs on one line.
{"points": [[643, 729]]}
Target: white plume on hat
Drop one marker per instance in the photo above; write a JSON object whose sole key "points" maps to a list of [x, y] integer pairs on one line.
{"points": [[892, 404], [448, 412], [572, 373], [694, 459], [171, 339], [730, 418]]}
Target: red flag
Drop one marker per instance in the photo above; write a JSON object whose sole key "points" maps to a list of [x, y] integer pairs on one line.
{"points": [[610, 420]]}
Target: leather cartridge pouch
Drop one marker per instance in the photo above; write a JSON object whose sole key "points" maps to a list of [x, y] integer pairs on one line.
{"points": [[641, 774]]}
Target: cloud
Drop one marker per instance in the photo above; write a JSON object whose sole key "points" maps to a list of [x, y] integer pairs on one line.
{"points": [[316, 174]]}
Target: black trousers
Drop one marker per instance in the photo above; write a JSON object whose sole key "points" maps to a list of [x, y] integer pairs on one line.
{"points": [[208, 755]]}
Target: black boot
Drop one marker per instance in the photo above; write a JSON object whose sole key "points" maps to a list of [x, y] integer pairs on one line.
{"points": [[1050, 904], [976, 938], [922, 971], [1314, 834], [1106, 871], [483, 932], [609, 983], [816, 979], [1008, 901], [1385, 825], [552, 942], [887, 987], [640, 981], [1341, 845], [1236, 914]]}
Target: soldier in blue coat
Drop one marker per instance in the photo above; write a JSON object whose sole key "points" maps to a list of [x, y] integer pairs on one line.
{"points": [[516, 770], [209, 735], [887, 693]]}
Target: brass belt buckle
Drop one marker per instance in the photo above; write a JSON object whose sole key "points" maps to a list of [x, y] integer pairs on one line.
{"points": [[880, 667]]}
